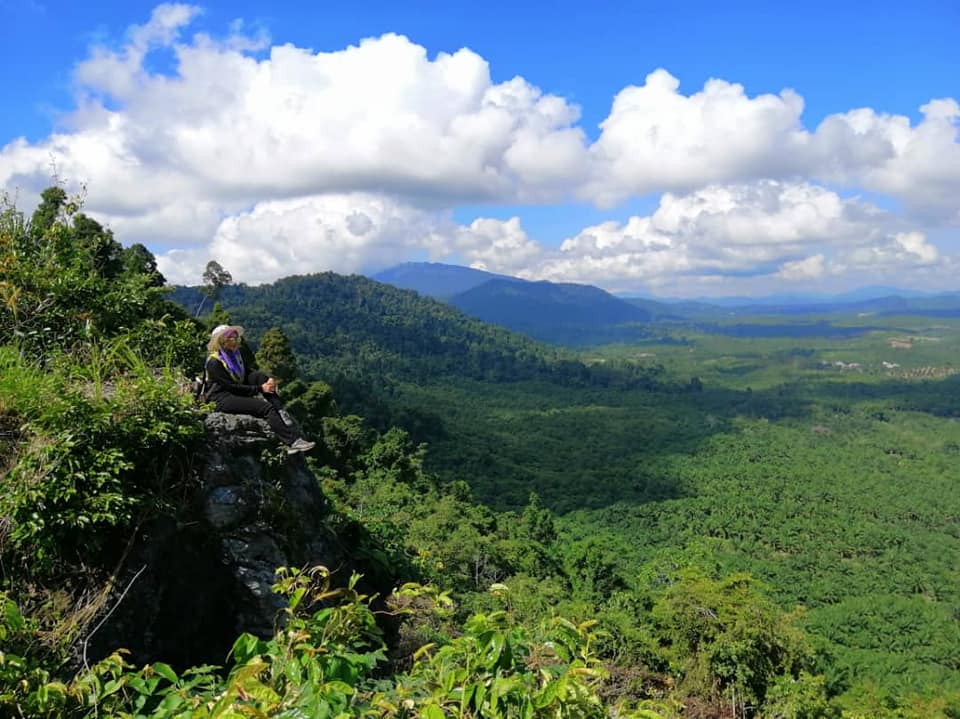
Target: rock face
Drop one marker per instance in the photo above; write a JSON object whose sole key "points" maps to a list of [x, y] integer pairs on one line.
{"points": [[205, 577]]}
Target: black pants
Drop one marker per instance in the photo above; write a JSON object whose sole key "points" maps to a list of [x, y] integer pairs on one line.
{"points": [[264, 406]]}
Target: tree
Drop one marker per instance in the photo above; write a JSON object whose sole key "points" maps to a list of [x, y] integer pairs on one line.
{"points": [[138, 260], [593, 568], [728, 639], [312, 406], [215, 278], [538, 521], [53, 200], [104, 250], [219, 316], [57, 218], [63, 283], [275, 356], [395, 455]]}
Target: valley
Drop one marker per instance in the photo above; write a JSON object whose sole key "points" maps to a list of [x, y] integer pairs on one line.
{"points": [[817, 452]]}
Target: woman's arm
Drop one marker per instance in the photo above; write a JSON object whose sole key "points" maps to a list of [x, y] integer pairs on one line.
{"points": [[218, 374]]}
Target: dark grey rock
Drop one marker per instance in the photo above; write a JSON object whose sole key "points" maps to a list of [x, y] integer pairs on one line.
{"points": [[253, 557], [208, 574], [226, 506], [231, 432], [216, 470]]}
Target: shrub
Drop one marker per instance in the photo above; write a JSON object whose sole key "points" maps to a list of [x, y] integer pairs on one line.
{"points": [[106, 441]]}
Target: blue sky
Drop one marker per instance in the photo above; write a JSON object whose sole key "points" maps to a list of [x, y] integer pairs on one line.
{"points": [[753, 147]]}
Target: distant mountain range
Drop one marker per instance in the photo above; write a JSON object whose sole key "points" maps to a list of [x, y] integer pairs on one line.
{"points": [[560, 313], [943, 305], [862, 294], [433, 279], [565, 314], [582, 314], [442, 281], [401, 326]]}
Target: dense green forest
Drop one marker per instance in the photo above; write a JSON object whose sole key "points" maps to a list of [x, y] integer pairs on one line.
{"points": [[696, 526], [814, 452], [836, 486]]}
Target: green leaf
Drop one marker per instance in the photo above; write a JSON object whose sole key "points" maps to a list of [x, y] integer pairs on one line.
{"points": [[339, 687], [165, 671], [111, 687], [245, 648], [432, 711], [261, 692], [137, 684], [493, 650], [169, 705], [546, 696]]}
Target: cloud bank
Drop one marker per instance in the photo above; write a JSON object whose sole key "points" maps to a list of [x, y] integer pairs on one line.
{"points": [[278, 160]]}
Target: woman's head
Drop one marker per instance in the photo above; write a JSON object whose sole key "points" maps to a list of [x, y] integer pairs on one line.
{"points": [[225, 337]]}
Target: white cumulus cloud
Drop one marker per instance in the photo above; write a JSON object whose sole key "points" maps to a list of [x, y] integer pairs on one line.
{"points": [[274, 159], [495, 245], [768, 229], [809, 268], [656, 138], [920, 165], [755, 234], [234, 128], [343, 233]]}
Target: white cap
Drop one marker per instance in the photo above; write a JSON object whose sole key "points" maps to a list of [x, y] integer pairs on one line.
{"points": [[220, 329]]}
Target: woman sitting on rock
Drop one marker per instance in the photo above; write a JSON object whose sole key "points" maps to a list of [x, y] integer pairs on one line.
{"points": [[237, 390]]}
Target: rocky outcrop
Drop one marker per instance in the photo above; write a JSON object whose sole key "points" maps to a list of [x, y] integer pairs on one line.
{"points": [[204, 576]]}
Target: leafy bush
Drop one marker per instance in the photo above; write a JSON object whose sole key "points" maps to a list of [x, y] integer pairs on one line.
{"points": [[725, 637], [66, 282], [321, 663], [107, 437]]}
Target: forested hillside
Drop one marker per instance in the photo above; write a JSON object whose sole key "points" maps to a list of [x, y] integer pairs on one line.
{"points": [[566, 314], [100, 449], [341, 322], [364, 337], [770, 445]]}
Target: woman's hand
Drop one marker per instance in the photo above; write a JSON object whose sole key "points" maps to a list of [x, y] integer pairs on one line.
{"points": [[269, 387]]}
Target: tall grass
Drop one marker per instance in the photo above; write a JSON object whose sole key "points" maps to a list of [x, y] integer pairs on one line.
{"points": [[26, 392]]}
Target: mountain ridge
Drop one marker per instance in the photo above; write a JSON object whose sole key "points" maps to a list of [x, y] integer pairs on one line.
{"points": [[561, 313], [564, 313], [436, 279], [458, 279], [358, 326]]}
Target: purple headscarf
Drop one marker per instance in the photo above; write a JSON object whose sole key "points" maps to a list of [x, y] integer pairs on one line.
{"points": [[233, 360], [234, 363]]}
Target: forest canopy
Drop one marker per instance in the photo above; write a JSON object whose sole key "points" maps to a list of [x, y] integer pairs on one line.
{"points": [[728, 527]]}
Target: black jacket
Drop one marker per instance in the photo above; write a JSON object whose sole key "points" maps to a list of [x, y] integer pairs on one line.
{"points": [[221, 381]]}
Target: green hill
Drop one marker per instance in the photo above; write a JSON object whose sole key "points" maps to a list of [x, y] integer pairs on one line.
{"points": [[358, 327], [565, 314], [767, 452], [437, 280]]}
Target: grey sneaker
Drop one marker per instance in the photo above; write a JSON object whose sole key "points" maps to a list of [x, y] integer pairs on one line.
{"points": [[301, 445]]}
